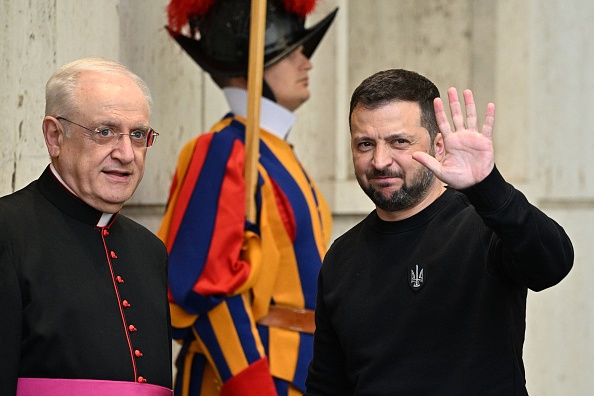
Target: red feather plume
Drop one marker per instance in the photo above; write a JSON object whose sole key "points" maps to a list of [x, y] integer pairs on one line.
{"points": [[299, 7], [180, 11]]}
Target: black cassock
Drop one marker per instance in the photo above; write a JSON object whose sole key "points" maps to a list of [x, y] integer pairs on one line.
{"points": [[78, 300]]}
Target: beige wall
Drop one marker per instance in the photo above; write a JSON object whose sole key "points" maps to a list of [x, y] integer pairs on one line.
{"points": [[534, 59]]}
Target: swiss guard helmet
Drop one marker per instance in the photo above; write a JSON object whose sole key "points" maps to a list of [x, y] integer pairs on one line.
{"points": [[219, 32]]}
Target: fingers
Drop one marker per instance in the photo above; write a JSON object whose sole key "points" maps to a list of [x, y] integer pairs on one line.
{"points": [[440, 116], [470, 122], [471, 117], [456, 109], [489, 121]]}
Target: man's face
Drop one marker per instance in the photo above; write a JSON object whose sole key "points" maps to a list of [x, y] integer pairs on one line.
{"points": [[288, 80], [103, 176], [382, 143]]}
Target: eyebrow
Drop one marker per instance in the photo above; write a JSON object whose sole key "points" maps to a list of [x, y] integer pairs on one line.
{"points": [[398, 135], [393, 136], [118, 125]]}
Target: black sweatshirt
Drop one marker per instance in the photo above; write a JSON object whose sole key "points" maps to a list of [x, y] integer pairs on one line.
{"points": [[435, 304]]}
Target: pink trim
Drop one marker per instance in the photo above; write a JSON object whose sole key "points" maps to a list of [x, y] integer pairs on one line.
{"points": [[67, 387]]}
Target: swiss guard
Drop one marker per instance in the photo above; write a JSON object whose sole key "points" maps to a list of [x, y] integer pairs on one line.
{"points": [[243, 293]]}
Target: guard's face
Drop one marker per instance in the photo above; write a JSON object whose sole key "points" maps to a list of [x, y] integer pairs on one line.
{"points": [[289, 79], [103, 175], [382, 143]]}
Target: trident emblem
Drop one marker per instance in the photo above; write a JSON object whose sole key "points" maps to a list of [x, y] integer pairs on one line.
{"points": [[416, 278]]}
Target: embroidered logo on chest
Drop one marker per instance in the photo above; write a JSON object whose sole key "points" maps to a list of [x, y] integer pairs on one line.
{"points": [[417, 277]]}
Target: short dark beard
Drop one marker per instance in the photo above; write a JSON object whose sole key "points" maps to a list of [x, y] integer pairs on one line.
{"points": [[407, 196]]}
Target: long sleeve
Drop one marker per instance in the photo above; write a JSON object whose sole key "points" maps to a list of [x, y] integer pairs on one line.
{"points": [[204, 237], [11, 323], [225, 273], [204, 225], [528, 247]]}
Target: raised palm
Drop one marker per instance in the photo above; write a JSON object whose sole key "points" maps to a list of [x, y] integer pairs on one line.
{"points": [[469, 156]]}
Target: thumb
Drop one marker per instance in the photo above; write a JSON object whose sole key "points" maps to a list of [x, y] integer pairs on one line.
{"points": [[428, 161]]}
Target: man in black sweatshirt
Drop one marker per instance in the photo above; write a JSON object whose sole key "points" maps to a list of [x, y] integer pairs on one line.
{"points": [[427, 295]]}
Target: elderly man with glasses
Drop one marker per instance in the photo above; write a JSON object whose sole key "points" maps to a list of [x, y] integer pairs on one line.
{"points": [[83, 289]]}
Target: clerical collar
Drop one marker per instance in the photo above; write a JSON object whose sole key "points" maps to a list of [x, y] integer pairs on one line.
{"points": [[273, 117], [105, 217]]}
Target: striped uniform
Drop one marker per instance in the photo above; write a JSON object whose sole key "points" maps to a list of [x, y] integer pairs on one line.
{"points": [[225, 273]]}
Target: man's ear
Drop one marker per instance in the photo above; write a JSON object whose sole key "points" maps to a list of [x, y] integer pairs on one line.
{"points": [[439, 147], [53, 134]]}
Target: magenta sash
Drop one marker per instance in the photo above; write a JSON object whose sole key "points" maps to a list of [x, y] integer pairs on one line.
{"points": [[71, 387]]}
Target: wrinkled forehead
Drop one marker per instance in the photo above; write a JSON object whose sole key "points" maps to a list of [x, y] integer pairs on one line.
{"points": [[101, 92]]}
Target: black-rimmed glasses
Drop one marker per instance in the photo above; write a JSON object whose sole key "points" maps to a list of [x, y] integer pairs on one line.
{"points": [[105, 136]]}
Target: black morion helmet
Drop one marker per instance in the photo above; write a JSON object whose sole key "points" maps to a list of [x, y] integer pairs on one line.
{"points": [[220, 31]]}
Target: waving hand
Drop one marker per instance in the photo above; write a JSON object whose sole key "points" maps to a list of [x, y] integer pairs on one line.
{"points": [[469, 156]]}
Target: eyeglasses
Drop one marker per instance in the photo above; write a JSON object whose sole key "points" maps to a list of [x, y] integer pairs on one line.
{"points": [[105, 136]]}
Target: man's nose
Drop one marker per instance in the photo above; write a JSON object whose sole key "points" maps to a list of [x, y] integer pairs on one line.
{"points": [[124, 148], [382, 157]]}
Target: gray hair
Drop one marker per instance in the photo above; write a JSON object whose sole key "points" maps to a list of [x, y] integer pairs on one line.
{"points": [[61, 87]]}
